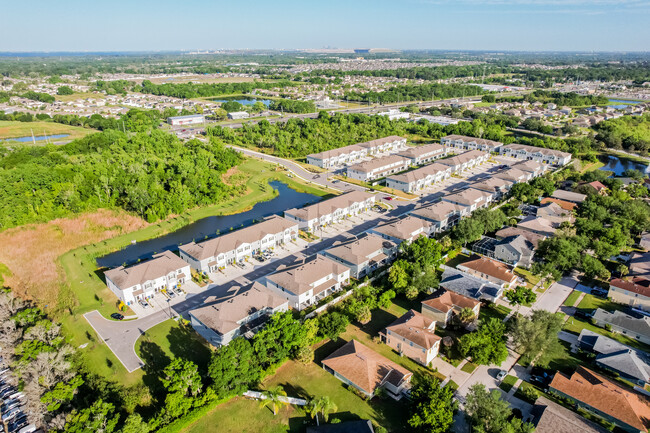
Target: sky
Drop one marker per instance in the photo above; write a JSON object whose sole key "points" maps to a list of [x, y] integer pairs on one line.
{"points": [[164, 25]]}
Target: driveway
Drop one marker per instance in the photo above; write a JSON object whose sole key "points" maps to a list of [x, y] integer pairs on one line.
{"points": [[552, 299]]}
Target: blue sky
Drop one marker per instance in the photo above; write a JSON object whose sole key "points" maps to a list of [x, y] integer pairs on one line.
{"points": [[136, 25]]}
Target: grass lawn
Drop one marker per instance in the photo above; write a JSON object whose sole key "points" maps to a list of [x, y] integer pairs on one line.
{"points": [[591, 302], [508, 382], [575, 325], [15, 129], [524, 388], [469, 367], [493, 310], [81, 95], [531, 280], [460, 258], [572, 298], [84, 289]]}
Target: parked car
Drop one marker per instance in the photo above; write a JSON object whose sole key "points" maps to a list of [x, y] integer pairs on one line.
{"points": [[10, 404], [18, 423], [584, 314], [28, 429], [170, 293], [143, 304], [599, 292], [387, 197], [117, 316], [501, 375], [11, 414]]}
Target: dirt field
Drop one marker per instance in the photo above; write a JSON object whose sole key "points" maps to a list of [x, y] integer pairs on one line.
{"points": [[30, 252]]}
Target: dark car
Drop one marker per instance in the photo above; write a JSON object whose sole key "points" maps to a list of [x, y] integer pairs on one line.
{"points": [[584, 314], [599, 292], [117, 316]]}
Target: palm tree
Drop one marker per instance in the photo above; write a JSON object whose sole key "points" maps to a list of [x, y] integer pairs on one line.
{"points": [[323, 405], [466, 315], [272, 398]]}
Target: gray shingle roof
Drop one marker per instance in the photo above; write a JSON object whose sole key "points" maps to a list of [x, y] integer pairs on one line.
{"points": [[467, 285]]}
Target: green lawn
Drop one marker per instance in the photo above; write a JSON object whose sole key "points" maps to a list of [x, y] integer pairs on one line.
{"points": [[493, 310], [531, 280], [591, 302], [460, 258], [14, 129], [572, 298], [508, 382], [86, 290], [469, 367], [575, 325]]}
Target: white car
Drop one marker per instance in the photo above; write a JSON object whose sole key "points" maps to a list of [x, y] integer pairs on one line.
{"points": [[501, 375]]}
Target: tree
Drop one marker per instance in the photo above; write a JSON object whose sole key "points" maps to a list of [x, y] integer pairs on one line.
{"points": [[134, 424], [332, 324], [182, 376], [399, 273], [490, 414], [467, 230], [424, 252], [487, 344], [100, 417], [431, 407], [323, 406], [271, 398], [535, 337], [465, 316], [64, 90], [234, 368], [521, 295], [364, 315]]}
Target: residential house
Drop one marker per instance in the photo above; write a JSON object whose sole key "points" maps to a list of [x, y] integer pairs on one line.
{"points": [[305, 283], [489, 270], [363, 255], [233, 315], [537, 225], [598, 186], [413, 335], [470, 198], [566, 205], [419, 155], [539, 154], [420, 178], [377, 168], [365, 370], [497, 187], [465, 161], [631, 364], [237, 246], [531, 237], [633, 291], [554, 213], [142, 281], [639, 265], [514, 175], [533, 167], [443, 304], [358, 426], [632, 325], [470, 143], [405, 229], [594, 393], [331, 211], [441, 215], [465, 284], [514, 250], [550, 417], [569, 196]]}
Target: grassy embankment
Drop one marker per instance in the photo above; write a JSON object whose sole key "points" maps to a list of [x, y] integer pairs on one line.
{"points": [[14, 129]]}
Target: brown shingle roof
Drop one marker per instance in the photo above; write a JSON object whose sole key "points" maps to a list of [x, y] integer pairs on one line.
{"points": [[364, 367], [490, 267], [327, 207], [557, 419], [638, 285], [531, 237], [159, 266], [299, 277], [566, 205], [357, 252], [445, 300], [403, 228], [414, 327], [606, 396]]}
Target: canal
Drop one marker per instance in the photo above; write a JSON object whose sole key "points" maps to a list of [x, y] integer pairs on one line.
{"points": [[209, 227]]}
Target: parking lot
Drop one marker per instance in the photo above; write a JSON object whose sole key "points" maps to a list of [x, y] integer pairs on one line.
{"points": [[14, 419]]}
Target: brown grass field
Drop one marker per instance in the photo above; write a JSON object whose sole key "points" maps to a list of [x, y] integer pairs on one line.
{"points": [[31, 251]]}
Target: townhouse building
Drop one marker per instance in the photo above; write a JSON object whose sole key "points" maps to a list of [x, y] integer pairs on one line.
{"points": [[420, 178], [378, 168], [364, 254], [239, 245], [495, 186], [241, 314], [442, 215], [471, 199], [538, 154], [463, 142], [143, 280], [356, 152], [403, 230], [514, 175], [305, 283], [331, 211], [529, 166], [465, 161], [423, 154]]}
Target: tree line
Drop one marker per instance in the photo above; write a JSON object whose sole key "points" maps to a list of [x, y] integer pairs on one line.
{"points": [[192, 90], [423, 92]]}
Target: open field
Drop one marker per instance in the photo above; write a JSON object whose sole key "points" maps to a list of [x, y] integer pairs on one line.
{"points": [[84, 95], [202, 79], [15, 129]]}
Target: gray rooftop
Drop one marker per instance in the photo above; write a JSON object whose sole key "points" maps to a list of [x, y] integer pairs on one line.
{"points": [[467, 285]]}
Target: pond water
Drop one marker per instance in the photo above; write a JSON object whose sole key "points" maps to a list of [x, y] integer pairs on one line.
{"points": [[618, 165], [36, 138], [624, 101], [245, 101], [287, 198]]}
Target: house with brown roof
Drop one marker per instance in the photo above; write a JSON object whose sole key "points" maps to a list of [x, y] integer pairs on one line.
{"points": [[378, 167], [363, 255], [537, 225], [531, 237], [142, 281], [496, 186], [533, 167], [598, 186], [489, 270], [554, 213], [364, 369], [331, 211], [632, 291], [550, 417], [420, 178], [566, 205], [514, 175], [570, 196], [413, 335], [419, 155], [594, 393], [305, 283], [239, 245], [470, 198], [239, 314], [443, 304], [404, 229], [441, 215]]}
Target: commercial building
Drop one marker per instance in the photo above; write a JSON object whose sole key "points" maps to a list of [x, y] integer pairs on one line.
{"points": [[241, 314], [142, 281], [442, 305], [539, 154], [364, 254], [592, 392], [413, 335], [331, 211], [406, 229], [237, 115], [420, 178], [378, 168], [633, 292], [470, 143], [364, 369], [237, 246], [192, 119], [419, 155], [304, 283], [394, 114]]}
